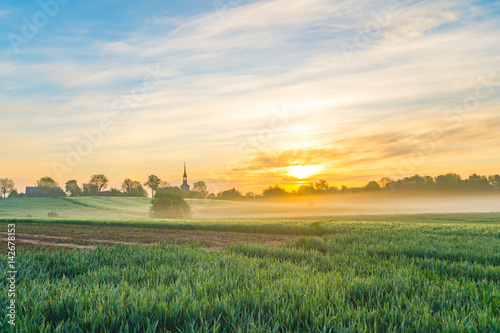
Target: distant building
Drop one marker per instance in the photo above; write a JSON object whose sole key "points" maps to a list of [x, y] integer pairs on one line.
{"points": [[32, 191], [185, 188]]}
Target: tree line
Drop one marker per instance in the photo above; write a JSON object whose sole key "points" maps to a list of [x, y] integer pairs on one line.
{"points": [[450, 182], [96, 186]]}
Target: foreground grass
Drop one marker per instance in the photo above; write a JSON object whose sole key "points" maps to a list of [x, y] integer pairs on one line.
{"points": [[371, 276]]}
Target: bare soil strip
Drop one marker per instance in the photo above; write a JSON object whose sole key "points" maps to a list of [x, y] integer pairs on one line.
{"points": [[42, 243], [37, 236]]}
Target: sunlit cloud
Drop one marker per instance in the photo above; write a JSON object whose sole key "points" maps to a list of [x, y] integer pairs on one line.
{"points": [[226, 75]]}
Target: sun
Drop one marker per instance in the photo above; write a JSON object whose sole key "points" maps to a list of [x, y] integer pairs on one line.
{"points": [[303, 171]]}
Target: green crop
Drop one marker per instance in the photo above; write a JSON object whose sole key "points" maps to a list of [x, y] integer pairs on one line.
{"points": [[356, 276]]}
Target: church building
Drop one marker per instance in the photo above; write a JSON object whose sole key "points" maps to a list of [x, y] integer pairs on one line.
{"points": [[185, 188]]}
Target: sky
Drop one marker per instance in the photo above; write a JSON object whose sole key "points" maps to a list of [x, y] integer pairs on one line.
{"points": [[248, 93]]}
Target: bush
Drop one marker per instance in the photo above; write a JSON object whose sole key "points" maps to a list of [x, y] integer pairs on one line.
{"points": [[114, 192], [169, 204], [13, 194], [52, 214]]}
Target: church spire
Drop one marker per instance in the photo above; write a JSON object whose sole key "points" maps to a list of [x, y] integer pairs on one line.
{"points": [[185, 188]]}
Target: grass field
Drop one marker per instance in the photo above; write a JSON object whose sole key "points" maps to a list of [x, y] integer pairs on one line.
{"points": [[138, 208], [88, 207], [416, 273], [127, 208]]}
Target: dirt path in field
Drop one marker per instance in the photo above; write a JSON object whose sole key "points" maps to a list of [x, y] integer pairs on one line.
{"points": [[36, 236]]}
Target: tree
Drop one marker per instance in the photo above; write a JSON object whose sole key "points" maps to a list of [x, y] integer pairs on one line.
{"points": [[166, 203], [127, 186], [172, 189], [73, 189], [114, 192], [477, 183], [345, 189], [383, 182], [139, 191], [274, 192], [153, 183], [6, 186], [307, 190], [47, 187], [232, 194], [372, 186], [90, 189], [449, 182], [193, 195], [100, 181], [413, 183], [201, 187], [13, 194], [164, 184], [332, 190], [495, 182], [133, 188], [322, 185], [429, 183]]}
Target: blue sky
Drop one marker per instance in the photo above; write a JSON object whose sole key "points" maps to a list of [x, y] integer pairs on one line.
{"points": [[368, 89]]}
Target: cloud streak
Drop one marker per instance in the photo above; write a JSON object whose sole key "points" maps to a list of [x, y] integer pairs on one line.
{"points": [[226, 77]]}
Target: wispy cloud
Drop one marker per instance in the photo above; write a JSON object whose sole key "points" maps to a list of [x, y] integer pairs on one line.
{"points": [[363, 154], [226, 76], [4, 13]]}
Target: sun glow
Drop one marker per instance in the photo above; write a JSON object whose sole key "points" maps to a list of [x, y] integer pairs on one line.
{"points": [[303, 171]]}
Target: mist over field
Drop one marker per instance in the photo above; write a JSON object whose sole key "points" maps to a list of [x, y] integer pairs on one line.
{"points": [[312, 207], [348, 205]]}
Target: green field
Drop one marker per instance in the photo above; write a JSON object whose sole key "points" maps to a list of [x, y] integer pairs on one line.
{"points": [[84, 207], [323, 208], [419, 273], [123, 207]]}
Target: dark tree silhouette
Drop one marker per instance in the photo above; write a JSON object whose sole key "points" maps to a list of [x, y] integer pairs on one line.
{"points": [[73, 189], [309, 189], [90, 190], [6, 186], [201, 188], [168, 203], [372, 186], [495, 182], [13, 194], [133, 188], [47, 187], [153, 183], [476, 183], [322, 186], [449, 182], [100, 181], [274, 192], [232, 194]]}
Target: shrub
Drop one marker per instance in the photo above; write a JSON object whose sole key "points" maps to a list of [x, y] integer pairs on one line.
{"points": [[52, 214], [169, 204]]}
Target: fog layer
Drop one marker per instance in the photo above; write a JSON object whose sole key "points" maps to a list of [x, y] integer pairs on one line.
{"points": [[345, 205]]}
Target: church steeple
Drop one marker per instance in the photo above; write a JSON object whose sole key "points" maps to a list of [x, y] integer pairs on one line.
{"points": [[185, 188]]}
